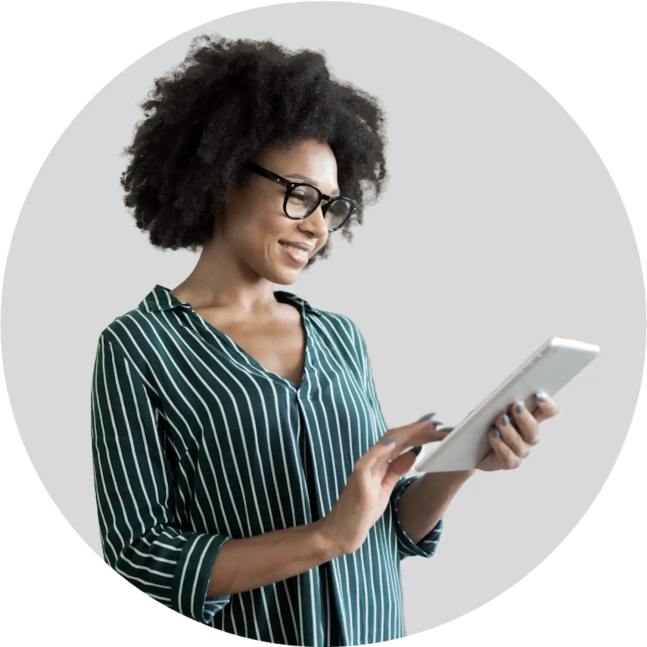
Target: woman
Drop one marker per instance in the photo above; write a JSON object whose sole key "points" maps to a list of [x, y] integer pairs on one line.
{"points": [[245, 476]]}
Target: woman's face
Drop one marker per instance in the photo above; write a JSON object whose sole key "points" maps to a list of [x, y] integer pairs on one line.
{"points": [[254, 224]]}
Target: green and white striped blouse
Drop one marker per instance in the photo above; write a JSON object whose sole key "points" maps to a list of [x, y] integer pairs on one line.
{"points": [[194, 442]]}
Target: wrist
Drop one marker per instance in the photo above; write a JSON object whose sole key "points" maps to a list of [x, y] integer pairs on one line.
{"points": [[323, 541]]}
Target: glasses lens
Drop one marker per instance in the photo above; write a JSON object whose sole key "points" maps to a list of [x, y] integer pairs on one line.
{"points": [[337, 213], [303, 201]]}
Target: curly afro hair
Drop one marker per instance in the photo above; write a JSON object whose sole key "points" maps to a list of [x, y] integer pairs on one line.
{"points": [[225, 103]]}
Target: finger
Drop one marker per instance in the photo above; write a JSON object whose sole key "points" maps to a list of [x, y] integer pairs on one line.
{"points": [[417, 433], [525, 422], [512, 437], [507, 458], [546, 407]]}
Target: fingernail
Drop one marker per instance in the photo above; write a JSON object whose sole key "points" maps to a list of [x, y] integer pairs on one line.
{"points": [[390, 440], [446, 429], [519, 407], [542, 397], [497, 433], [505, 420], [426, 416]]}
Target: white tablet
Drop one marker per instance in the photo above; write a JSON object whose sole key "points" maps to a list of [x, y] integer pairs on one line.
{"points": [[548, 369]]}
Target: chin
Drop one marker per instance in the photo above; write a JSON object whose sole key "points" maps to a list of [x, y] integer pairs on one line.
{"points": [[284, 278]]}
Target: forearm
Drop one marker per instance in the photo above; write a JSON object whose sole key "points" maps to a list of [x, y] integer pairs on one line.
{"points": [[253, 562], [424, 501]]}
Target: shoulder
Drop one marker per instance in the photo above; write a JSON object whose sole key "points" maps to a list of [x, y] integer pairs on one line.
{"points": [[337, 322], [133, 335], [341, 321], [343, 330], [123, 325]]}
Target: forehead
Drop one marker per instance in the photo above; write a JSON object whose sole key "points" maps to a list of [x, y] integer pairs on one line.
{"points": [[305, 161]]}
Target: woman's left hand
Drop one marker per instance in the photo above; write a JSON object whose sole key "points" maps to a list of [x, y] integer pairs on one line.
{"points": [[517, 435]]}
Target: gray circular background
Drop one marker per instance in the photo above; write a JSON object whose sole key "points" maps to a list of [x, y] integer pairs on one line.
{"points": [[500, 227]]}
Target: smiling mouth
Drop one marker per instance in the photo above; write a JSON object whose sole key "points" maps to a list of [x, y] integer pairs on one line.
{"points": [[297, 255]]}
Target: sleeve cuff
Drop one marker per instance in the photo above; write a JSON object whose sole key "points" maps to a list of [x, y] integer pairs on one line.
{"points": [[192, 575], [426, 547]]}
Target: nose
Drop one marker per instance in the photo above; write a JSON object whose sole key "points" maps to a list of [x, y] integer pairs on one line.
{"points": [[316, 221]]}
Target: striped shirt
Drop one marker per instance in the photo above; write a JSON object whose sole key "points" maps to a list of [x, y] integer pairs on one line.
{"points": [[194, 442]]}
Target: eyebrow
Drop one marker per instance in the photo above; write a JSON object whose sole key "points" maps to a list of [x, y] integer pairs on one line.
{"points": [[305, 178]]}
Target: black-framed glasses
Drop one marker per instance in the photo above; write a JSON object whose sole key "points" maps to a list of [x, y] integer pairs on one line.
{"points": [[301, 199]]}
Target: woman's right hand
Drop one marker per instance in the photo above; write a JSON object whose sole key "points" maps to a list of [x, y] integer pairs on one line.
{"points": [[368, 489]]}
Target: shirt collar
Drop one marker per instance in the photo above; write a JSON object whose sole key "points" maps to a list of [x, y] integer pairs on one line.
{"points": [[160, 298]]}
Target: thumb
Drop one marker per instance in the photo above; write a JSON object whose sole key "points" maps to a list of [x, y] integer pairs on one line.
{"points": [[397, 467], [403, 463]]}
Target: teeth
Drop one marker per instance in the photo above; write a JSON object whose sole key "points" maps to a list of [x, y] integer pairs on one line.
{"points": [[299, 252]]}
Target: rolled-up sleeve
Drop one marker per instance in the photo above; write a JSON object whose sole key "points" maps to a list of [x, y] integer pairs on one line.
{"points": [[426, 547], [135, 495]]}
